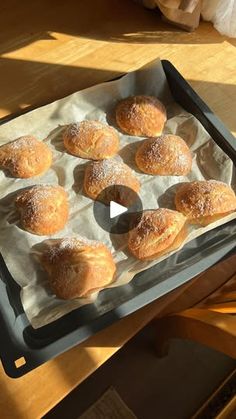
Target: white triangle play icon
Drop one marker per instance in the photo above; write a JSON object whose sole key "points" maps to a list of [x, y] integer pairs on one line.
{"points": [[116, 209]]}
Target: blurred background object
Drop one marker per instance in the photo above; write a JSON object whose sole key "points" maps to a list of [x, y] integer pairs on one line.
{"points": [[223, 15], [186, 13]]}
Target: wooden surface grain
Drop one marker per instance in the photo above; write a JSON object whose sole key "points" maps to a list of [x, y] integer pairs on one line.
{"points": [[48, 51], [51, 49], [34, 394]]}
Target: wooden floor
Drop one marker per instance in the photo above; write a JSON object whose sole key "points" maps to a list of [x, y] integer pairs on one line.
{"points": [[173, 387]]}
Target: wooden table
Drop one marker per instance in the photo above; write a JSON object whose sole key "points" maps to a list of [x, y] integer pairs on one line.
{"points": [[51, 49]]}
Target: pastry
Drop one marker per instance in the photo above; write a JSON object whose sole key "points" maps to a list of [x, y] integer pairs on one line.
{"points": [[111, 173], [141, 115], [205, 201], [25, 157], [167, 155], [77, 267], [91, 140], [43, 209], [158, 232]]}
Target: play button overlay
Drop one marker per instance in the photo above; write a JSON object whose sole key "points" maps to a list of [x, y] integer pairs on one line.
{"points": [[117, 209]]}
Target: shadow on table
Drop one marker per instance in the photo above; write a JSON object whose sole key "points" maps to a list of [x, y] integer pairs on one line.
{"points": [[102, 20], [40, 80], [112, 21], [55, 81]]}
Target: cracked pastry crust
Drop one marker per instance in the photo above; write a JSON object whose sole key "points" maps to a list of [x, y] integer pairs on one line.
{"points": [[91, 140], [44, 209], [158, 232], [206, 201], [167, 155], [77, 267], [25, 157], [113, 172], [141, 115]]}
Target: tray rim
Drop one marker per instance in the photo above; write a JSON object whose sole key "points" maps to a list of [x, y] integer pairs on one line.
{"points": [[15, 346]]}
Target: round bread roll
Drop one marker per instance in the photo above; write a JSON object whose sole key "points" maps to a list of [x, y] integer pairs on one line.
{"points": [[107, 173], [25, 157], [141, 115], [167, 155], [44, 209], [77, 267], [205, 201], [158, 232], [91, 140]]}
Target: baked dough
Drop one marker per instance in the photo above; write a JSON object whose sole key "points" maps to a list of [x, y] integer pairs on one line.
{"points": [[25, 157], [77, 267], [113, 172], [91, 140], [158, 232], [167, 155], [141, 115], [44, 209], [205, 201]]}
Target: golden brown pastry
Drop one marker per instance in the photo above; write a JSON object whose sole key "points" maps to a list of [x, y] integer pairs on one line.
{"points": [[102, 174], [77, 267], [158, 232], [141, 115], [44, 209], [91, 140], [167, 155], [25, 157], [205, 201]]}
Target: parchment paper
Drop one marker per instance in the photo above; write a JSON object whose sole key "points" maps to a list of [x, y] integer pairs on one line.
{"points": [[21, 249]]}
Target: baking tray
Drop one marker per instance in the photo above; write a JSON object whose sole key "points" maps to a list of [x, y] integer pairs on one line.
{"points": [[36, 346]]}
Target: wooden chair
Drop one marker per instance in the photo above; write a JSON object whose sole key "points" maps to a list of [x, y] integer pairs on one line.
{"points": [[211, 321]]}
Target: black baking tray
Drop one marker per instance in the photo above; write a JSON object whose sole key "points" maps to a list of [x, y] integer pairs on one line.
{"points": [[19, 339]]}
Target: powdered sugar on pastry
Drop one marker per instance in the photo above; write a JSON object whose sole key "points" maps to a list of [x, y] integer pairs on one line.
{"points": [[44, 209], [25, 157], [205, 201], [167, 155]]}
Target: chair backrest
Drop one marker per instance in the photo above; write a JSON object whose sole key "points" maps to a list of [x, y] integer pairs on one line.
{"points": [[222, 300], [211, 321]]}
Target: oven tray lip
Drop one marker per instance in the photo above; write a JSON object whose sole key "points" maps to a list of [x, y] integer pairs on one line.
{"points": [[19, 339]]}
